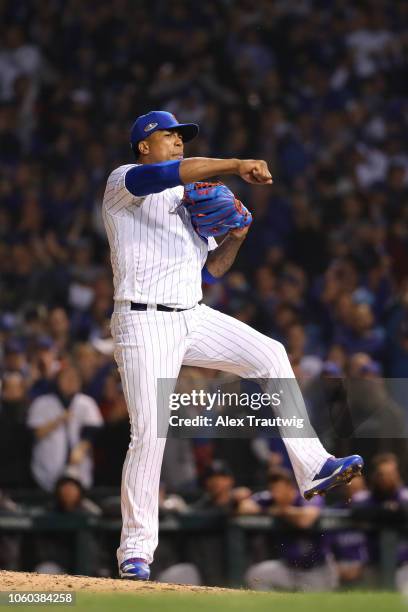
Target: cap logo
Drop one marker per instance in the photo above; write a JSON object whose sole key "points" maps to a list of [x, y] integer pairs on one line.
{"points": [[150, 126]]}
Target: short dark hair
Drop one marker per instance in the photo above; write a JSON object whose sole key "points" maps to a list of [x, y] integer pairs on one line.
{"points": [[68, 479], [279, 474], [217, 468], [381, 458]]}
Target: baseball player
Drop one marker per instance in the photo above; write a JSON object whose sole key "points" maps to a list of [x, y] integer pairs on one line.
{"points": [[161, 222]]}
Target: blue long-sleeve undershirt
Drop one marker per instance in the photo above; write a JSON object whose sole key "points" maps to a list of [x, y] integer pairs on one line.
{"points": [[207, 277], [153, 178]]}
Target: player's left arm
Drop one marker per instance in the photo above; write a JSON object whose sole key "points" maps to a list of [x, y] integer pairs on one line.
{"points": [[220, 260], [144, 179]]}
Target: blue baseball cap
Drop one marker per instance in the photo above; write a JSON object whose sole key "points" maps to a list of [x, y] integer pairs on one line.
{"points": [[160, 120]]}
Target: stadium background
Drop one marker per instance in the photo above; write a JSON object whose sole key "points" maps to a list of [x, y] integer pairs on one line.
{"points": [[315, 88]]}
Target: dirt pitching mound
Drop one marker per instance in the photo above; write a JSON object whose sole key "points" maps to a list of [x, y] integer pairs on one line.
{"points": [[25, 581]]}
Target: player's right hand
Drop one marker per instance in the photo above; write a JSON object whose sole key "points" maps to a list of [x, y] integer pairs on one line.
{"points": [[254, 171]]}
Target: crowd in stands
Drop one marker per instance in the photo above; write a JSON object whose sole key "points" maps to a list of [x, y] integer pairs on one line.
{"points": [[297, 554], [318, 89]]}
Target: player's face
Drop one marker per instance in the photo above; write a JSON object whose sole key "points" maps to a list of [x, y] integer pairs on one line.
{"points": [[283, 493], [69, 382], [69, 495], [387, 476], [165, 145], [219, 484]]}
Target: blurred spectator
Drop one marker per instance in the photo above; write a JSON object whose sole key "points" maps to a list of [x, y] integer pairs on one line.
{"points": [[112, 439], [64, 425], [69, 496], [328, 405], [360, 336], [220, 499], [45, 366], [93, 369], [15, 357], [304, 563], [303, 351], [220, 496], [169, 564], [386, 502], [15, 437], [349, 546], [397, 336], [270, 452], [179, 472], [379, 423], [55, 553], [10, 544], [59, 326], [239, 455]]}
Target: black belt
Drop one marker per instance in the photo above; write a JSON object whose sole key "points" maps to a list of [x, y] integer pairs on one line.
{"points": [[134, 306]]}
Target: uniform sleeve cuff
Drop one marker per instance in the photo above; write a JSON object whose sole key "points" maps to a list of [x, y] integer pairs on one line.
{"points": [[208, 278]]}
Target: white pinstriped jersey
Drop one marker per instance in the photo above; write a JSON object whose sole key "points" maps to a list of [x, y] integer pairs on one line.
{"points": [[156, 254], [157, 259]]}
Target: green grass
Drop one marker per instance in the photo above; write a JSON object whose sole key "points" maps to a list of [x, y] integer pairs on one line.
{"points": [[231, 602]]}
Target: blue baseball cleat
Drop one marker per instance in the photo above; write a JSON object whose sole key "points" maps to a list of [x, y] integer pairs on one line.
{"points": [[335, 472], [134, 569]]}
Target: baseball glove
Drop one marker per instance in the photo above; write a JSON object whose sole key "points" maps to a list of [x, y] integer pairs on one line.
{"points": [[214, 209]]}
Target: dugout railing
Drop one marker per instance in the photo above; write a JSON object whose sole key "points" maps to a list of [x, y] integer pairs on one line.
{"points": [[233, 531]]}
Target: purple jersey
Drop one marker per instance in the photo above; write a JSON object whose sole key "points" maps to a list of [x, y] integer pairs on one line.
{"points": [[348, 545], [299, 548], [393, 501]]}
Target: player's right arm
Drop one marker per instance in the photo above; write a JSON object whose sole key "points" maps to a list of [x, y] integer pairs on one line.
{"points": [[145, 179]]}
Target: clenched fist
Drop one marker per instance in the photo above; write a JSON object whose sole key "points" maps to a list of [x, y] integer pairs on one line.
{"points": [[254, 171]]}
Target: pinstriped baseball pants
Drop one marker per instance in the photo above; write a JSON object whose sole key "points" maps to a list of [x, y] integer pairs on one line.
{"points": [[152, 345]]}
